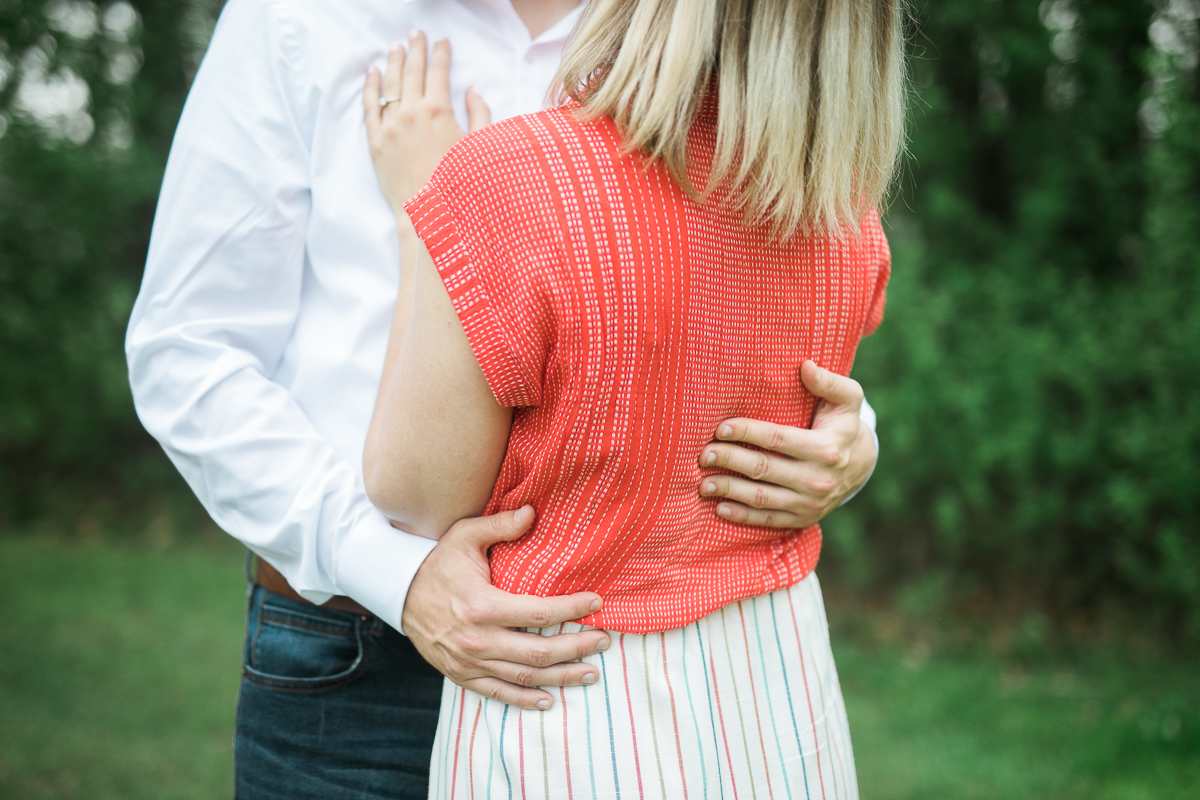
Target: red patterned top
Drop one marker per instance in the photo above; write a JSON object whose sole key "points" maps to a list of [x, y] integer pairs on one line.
{"points": [[623, 321]]}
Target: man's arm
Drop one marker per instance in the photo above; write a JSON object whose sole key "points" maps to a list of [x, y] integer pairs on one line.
{"points": [[217, 306]]}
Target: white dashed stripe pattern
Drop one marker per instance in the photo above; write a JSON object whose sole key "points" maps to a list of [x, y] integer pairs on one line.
{"points": [[624, 321]]}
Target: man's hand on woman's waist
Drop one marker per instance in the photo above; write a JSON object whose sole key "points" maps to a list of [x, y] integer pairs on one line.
{"points": [[463, 625], [806, 473]]}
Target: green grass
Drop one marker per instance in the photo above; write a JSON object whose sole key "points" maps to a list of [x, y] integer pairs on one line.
{"points": [[119, 671], [119, 668], [968, 727]]}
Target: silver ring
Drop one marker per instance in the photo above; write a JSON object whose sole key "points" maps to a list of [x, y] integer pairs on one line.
{"points": [[383, 101]]}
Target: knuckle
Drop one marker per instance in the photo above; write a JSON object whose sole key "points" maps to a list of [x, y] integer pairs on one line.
{"points": [[542, 617], [829, 455], [761, 467], [524, 676], [775, 439], [761, 498], [822, 487], [476, 609], [541, 657], [812, 505], [464, 671], [471, 643]]}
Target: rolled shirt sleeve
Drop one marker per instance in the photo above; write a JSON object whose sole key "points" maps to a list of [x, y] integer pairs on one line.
{"points": [[218, 303], [867, 415]]}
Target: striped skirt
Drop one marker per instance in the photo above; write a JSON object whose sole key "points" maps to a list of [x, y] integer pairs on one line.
{"points": [[744, 703]]}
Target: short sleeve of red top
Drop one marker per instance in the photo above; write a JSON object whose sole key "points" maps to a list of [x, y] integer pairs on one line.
{"points": [[623, 321], [481, 224], [495, 313]]}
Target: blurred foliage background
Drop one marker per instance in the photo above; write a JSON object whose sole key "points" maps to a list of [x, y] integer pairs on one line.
{"points": [[1037, 378]]}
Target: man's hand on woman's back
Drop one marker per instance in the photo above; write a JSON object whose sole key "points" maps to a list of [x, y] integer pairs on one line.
{"points": [[806, 473]]}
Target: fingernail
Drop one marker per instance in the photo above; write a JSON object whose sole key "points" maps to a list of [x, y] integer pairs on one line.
{"points": [[543, 704], [414, 33], [472, 90], [596, 605], [519, 517], [726, 432], [394, 47], [589, 679], [710, 458], [723, 511], [710, 487], [604, 643], [441, 39]]}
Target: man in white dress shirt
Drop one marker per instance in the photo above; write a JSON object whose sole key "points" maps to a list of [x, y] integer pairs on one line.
{"points": [[255, 350]]}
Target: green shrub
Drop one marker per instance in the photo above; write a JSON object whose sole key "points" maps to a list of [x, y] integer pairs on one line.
{"points": [[1038, 373], [78, 185]]}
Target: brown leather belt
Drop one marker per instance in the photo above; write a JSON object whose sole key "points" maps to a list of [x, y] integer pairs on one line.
{"points": [[270, 579]]}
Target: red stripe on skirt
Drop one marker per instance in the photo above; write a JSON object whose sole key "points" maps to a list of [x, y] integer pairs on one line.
{"points": [[566, 745], [712, 665], [521, 749], [471, 751], [674, 718], [457, 738], [629, 702], [750, 671], [812, 717]]}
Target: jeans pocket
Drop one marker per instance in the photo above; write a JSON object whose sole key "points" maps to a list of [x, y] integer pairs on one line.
{"points": [[303, 650]]}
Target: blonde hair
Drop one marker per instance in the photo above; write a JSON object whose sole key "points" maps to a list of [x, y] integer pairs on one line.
{"points": [[811, 96]]}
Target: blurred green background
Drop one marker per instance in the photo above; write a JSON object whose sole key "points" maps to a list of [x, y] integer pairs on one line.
{"points": [[1015, 596]]}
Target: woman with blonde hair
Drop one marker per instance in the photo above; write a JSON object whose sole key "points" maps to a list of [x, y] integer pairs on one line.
{"points": [[598, 286]]}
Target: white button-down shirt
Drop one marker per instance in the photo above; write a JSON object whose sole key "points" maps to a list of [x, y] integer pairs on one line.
{"points": [[257, 340]]}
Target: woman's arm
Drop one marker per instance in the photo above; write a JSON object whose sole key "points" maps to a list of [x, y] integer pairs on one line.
{"points": [[412, 459], [438, 434]]}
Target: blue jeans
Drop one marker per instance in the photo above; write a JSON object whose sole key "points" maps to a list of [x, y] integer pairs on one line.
{"points": [[332, 705]]}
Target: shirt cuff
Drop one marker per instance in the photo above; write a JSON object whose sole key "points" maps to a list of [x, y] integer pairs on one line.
{"points": [[867, 415], [377, 563]]}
